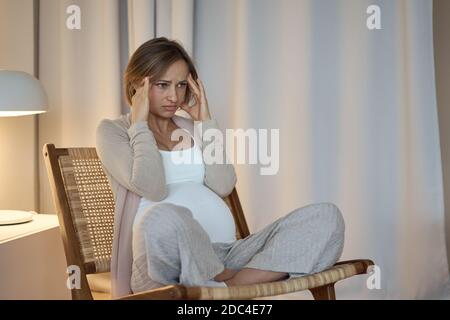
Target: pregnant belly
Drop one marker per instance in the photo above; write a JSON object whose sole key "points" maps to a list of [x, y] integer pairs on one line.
{"points": [[206, 206]]}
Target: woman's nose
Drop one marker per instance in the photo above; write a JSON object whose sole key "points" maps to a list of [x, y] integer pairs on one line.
{"points": [[173, 95]]}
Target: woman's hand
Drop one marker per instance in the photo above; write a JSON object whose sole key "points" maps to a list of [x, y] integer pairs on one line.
{"points": [[199, 111], [140, 104]]}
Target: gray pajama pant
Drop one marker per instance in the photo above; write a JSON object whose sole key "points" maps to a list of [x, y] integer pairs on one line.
{"points": [[179, 251]]}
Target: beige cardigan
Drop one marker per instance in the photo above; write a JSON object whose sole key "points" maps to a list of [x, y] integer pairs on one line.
{"points": [[134, 167]]}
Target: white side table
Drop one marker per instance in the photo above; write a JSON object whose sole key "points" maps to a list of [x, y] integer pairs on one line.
{"points": [[32, 260]]}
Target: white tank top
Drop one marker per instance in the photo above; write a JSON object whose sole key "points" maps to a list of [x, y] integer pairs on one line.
{"points": [[184, 182]]}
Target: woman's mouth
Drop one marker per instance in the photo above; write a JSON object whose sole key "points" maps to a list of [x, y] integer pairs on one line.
{"points": [[171, 108]]}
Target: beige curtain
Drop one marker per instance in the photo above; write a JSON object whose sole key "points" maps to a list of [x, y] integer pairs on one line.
{"points": [[358, 124]]}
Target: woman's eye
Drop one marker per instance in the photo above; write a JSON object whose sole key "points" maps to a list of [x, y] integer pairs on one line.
{"points": [[165, 85]]}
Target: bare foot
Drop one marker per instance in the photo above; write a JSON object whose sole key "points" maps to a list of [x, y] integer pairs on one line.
{"points": [[225, 274], [251, 276]]}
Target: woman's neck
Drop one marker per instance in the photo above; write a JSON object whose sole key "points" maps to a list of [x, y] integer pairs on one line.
{"points": [[159, 125]]}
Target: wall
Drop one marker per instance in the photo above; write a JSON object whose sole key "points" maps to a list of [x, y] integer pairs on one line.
{"points": [[18, 154], [441, 17]]}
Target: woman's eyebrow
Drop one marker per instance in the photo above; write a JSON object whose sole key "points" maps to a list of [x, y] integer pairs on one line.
{"points": [[168, 81]]}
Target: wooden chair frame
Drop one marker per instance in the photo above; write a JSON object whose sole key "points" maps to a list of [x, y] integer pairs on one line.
{"points": [[321, 284]]}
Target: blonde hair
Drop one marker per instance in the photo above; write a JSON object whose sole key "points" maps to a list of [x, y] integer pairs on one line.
{"points": [[152, 59]]}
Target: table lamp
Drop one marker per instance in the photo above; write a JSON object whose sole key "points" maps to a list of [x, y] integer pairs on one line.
{"points": [[21, 94]]}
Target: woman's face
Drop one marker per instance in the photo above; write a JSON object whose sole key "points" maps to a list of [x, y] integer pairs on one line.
{"points": [[168, 92]]}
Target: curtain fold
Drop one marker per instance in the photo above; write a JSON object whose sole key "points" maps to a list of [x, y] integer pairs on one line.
{"points": [[141, 22], [175, 20]]}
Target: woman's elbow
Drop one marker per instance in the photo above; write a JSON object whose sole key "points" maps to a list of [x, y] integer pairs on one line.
{"points": [[224, 188]]}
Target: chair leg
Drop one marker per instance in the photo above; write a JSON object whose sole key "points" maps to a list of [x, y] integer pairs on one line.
{"points": [[325, 292]]}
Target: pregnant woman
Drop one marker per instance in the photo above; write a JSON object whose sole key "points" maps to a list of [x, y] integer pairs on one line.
{"points": [[171, 225]]}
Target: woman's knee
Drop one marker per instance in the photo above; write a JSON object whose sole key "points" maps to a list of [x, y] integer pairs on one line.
{"points": [[334, 216], [324, 213]]}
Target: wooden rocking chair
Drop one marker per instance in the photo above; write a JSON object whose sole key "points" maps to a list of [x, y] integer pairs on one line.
{"points": [[85, 207]]}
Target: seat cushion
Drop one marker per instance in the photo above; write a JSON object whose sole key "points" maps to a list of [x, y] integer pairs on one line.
{"points": [[100, 282], [100, 295]]}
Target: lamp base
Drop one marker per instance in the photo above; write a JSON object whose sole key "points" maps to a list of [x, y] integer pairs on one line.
{"points": [[14, 217]]}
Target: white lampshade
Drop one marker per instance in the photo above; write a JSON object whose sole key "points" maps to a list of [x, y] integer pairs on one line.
{"points": [[21, 94]]}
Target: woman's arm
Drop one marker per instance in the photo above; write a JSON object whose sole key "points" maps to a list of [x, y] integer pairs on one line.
{"points": [[132, 158], [221, 178]]}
